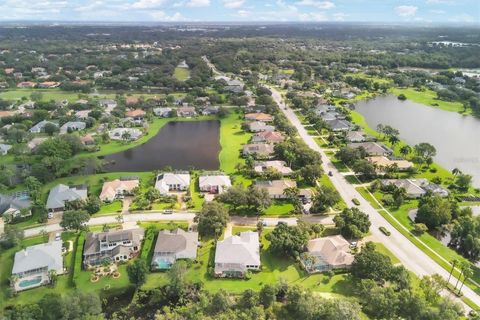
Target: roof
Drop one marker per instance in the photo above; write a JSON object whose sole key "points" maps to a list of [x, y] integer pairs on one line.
{"points": [[258, 116], [412, 187], [334, 250], [214, 180], [170, 178], [338, 124], [92, 241], [372, 148], [109, 189], [259, 148], [383, 161], [135, 113], [280, 166], [39, 256], [61, 193], [39, 126], [276, 187], [260, 126], [355, 136], [243, 249], [11, 202], [177, 241], [268, 136]]}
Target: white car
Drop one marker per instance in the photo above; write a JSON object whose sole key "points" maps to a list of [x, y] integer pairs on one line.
{"points": [[58, 237]]}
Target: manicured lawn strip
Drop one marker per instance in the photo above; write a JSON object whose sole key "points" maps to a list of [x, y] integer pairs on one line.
{"points": [[428, 243], [109, 208], [171, 225], [382, 249], [232, 137], [279, 208], [429, 98], [48, 94], [366, 76], [197, 200], [325, 181], [181, 74]]}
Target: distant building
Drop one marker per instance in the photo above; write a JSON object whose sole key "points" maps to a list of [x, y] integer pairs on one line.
{"points": [[40, 127], [72, 126], [4, 148]]}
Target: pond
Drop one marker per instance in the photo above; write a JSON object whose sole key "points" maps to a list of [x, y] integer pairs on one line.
{"points": [[179, 144], [456, 137]]}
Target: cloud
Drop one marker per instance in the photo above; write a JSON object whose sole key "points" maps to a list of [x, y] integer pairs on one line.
{"points": [[324, 5], [147, 4], [198, 3], [438, 1], [314, 16], [160, 15], [340, 16], [406, 11], [233, 4], [462, 18]]}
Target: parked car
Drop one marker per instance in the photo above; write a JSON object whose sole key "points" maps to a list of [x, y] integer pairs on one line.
{"points": [[58, 236], [355, 201], [385, 231], [50, 215], [330, 173], [167, 211]]}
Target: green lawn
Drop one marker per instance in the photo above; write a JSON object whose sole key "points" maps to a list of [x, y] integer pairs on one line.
{"points": [[110, 208], [366, 76], [47, 94], [279, 208], [429, 98], [181, 74]]}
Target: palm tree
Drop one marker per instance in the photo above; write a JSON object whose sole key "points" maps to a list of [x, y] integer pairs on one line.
{"points": [[405, 150], [52, 276], [380, 128], [456, 171], [463, 266], [454, 263], [467, 273], [393, 140]]}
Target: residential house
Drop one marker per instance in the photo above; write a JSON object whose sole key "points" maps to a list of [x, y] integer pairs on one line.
{"points": [[26, 84], [108, 104], [40, 127], [236, 255], [337, 125], [35, 143], [87, 140], [323, 108], [259, 126], [72, 126], [4, 148], [49, 84], [382, 163], [372, 148], [210, 110], [172, 181], [112, 246], [174, 245], [137, 114], [277, 165], [276, 188], [186, 112], [258, 150], [162, 112], [31, 266], [214, 182], [61, 194], [416, 188], [327, 253], [4, 114], [118, 188], [355, 136], [258, 116], [82, 114], [123, 133], [267, 137], [131, 101], [15, 205]]}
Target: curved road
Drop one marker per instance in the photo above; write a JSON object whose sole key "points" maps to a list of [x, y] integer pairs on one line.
{"points": [[411, 257]]}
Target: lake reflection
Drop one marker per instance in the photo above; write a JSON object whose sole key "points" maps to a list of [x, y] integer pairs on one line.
{"points": [[456, 137], [181, 145]]}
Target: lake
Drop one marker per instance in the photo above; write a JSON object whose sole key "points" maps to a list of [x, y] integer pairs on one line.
{"points": [[180, 144], [456, 137]]}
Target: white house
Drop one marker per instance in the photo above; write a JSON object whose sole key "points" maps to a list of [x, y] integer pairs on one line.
{"points": [[214, 183], [172, 181]]}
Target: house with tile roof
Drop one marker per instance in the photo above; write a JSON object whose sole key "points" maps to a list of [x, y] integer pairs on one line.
{"points": [[327, 253], [112, 190]]}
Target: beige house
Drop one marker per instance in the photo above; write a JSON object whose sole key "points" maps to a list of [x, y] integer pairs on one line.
{"points": [[258, 116], [382, 163], [276, 188], [117, 188], [327, 253]]}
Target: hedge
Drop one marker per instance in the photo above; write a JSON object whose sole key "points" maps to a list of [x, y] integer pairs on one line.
{"points": [[78, 262]]}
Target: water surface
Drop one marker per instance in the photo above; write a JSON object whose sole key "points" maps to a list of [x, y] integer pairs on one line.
{"points": [[456, 137], [181, 145]]}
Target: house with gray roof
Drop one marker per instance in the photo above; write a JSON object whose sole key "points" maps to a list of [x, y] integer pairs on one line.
{"points": [[214, 182], [172, 181], [338, 124], [416, 188], [112, 246], [259, 126], [4, 148], [236, 255], [12, 206], [258, 150], [40, 127], [173, 245], [31, 265], [72, 126], [355, 136], [118, 134], [372, 148], [163, 112], [61, 194]]}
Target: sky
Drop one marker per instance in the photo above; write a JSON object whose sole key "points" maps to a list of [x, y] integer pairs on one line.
{"points": [[403, 11]]}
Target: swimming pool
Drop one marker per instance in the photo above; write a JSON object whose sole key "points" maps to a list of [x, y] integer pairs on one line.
{"points": [[30, 282], [162, 263]]}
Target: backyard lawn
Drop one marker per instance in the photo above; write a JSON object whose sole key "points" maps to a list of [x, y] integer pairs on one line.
{"points": [[429, 98], [181, 74]]}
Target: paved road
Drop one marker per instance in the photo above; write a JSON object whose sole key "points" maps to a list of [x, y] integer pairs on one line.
{"points": [[411, 257]]}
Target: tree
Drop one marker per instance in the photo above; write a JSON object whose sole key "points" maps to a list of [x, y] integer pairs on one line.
{"points": [[434, 211], [235, 196], [467, 273], [311, 173], [137, 272], [420, 228], [11, 237], [463, 181], [219, 302], [326, 197], [212, 219], [465, 237], [352, 223], [52, 276], [267, 295], [50, 128], [405, 150], [365, 169], [248, 300], [33, 186], [92, 205], [52, 306], [425, 150], [74, 220], [258, 198], [287, 240], [176, 277], [371, 264]]}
